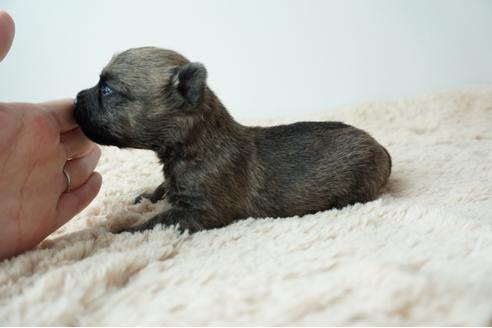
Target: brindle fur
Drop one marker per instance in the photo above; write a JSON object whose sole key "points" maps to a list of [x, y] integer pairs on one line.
{"points": [[216, 170]]}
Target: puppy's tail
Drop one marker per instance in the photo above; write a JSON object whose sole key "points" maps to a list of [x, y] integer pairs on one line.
{"points": [[389, 161], [390, 164]]}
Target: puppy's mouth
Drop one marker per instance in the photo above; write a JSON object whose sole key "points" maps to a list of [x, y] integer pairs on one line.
{"points": [[94, 130]]}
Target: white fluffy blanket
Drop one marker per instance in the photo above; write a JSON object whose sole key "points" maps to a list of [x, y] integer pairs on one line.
{"points": [[421, 254]]}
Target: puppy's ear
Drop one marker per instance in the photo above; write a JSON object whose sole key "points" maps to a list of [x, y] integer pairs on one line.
{"points": [[190, 81]]}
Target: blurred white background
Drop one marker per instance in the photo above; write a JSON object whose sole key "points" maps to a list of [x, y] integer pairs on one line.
{"points": [[265, 58]]}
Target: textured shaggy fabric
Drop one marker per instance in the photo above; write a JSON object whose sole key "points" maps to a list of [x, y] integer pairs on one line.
{"points": [[419, 254]]}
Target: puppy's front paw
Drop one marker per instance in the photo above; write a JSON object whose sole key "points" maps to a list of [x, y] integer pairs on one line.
{"points": [[145, 195], [138, 228], [183, 220], [159, 193]]}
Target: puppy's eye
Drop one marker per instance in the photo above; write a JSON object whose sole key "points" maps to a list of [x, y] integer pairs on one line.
{"points": [[106, 89]]}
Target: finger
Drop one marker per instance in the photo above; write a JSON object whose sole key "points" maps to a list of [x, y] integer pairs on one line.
{"points": [[7, 32], [81, 169], [76, 143], [76, 200], [62, 112]]}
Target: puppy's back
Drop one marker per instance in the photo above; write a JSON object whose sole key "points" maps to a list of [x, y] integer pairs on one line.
{"points": [[311, 166]]}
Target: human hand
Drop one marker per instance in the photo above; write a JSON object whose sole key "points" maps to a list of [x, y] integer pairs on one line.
{"points": [[7, 31], [38, 142], [35, 142]]}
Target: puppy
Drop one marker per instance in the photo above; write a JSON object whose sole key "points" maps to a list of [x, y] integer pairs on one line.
{"points": [[216, 170]]}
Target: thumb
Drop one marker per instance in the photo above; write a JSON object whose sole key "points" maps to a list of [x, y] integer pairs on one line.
{"points": [[76, 200], [7, 32]]}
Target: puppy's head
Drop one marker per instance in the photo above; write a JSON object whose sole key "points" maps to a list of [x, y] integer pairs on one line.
{"points": [[145, 98]]}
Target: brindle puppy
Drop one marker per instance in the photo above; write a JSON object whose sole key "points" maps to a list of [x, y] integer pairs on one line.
{"points": [[217, 170]]}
